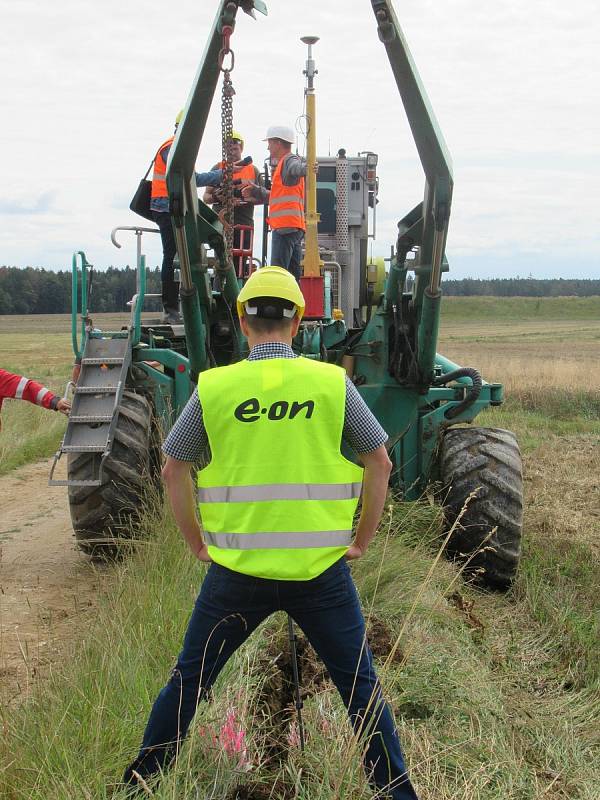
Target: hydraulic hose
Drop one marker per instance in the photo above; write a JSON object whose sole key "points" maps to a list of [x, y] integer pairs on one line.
{"points": [[472, 394]]}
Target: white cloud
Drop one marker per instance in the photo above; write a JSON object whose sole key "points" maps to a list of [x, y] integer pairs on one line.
{"points": [[90, 90]]}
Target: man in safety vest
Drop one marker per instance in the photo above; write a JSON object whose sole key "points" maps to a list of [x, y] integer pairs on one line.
{"points": [[276, 500], [159, 205], [285, 198], [243, 211]]}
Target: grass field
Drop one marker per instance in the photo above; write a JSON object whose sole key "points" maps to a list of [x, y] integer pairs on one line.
{"points": [[38, 346], [496, 696]]}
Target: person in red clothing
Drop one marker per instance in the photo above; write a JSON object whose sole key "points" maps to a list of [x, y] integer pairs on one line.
{"points": [[19, 388]]}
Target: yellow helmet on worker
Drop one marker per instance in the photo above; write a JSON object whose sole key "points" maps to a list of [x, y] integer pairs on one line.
{"points": [[237, 136], [179, 117], [271, 283]]}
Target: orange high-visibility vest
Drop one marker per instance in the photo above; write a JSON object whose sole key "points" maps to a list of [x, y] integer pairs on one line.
{"points": [[246, 173], [286, 203], [159, 175]]}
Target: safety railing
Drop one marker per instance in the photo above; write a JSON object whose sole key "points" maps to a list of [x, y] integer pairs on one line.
{"points": [[85, 265], [137, 301]]}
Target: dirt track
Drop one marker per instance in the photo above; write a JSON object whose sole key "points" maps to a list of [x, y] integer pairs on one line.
{"points": [[47, 585]]}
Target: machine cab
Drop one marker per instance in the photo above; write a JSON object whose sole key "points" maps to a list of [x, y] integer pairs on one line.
{"points": [[346, 190]]}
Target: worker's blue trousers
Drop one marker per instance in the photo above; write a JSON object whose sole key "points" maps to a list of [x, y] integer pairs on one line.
{"points": [[286, 251], [229, 607], [170, 289]]}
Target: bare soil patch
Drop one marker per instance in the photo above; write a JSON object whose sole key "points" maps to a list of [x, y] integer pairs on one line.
{"points": [[47, 586]]}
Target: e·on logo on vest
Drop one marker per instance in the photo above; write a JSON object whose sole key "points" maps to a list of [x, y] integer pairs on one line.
{"points": [[250, 410]]}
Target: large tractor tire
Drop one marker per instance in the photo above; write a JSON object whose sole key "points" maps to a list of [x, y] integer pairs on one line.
{"points": [[105, 516], [484, 463]]}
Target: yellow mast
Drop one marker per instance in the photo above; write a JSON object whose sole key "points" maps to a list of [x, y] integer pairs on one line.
{"points": [[312, 264]]}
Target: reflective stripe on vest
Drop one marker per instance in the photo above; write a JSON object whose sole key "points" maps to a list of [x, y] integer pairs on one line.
{"points": [[287, 213], [278, 541], [159, 174], [286, 203], [277, 480], [279, 491]]}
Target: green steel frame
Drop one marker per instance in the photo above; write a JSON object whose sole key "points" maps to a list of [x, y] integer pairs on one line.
{"points": [[398, 387]]}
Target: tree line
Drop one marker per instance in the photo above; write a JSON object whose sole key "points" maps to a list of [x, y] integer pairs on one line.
{"points": [[522, 287], [43, 291], [34, 290]]}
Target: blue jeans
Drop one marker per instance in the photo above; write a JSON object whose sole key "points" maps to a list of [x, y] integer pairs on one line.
{"points": [[229, 608], [286, 251]]}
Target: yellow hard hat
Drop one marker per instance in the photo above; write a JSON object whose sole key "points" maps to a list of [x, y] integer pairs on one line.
{"points": [[179, 116], [237, 136], [271, 282]]}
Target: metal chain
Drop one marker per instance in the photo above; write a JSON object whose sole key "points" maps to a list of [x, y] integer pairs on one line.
{"points": [[226, 133], [227, 183]]}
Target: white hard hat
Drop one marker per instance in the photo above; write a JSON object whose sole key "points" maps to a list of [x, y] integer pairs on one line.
{"points": [[281, 132]]}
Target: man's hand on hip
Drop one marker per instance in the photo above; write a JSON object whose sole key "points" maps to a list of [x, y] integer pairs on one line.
{"points": [[354, 552], [177, 478], [202, 554]]}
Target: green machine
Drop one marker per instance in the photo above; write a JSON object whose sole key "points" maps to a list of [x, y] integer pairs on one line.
{"points": [[381, 326]]}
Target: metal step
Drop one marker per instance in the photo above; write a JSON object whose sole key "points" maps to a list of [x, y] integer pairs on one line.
{"points": [[90, 418], [104, 349], [83, 448], [62, 482], [95, 405], [100, 375], [92, 361], [109, 388], [94, 435]]}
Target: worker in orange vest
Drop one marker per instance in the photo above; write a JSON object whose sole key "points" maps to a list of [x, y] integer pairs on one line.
{"points": [[286, 200], [243, 212], [159, 206]]}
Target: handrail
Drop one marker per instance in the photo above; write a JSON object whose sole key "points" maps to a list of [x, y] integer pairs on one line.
{"points": [[136, 228], [139, 230], [77, 350], [137, 303], [137, 309]]}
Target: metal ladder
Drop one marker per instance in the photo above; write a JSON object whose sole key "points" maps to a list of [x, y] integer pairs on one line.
{"points": [[96, 403]]}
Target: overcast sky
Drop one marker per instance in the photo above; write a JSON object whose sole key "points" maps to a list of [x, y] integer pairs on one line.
{"points": [[90, 89]]}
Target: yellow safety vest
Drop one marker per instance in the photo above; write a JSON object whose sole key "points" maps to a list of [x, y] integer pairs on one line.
{"points": [[278, 498]]}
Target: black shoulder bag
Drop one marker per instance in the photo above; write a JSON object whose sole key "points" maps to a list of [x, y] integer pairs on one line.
{"points": [[140, 203]]}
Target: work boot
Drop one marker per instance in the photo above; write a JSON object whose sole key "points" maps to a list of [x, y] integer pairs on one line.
{"points": [[171, 316]]}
